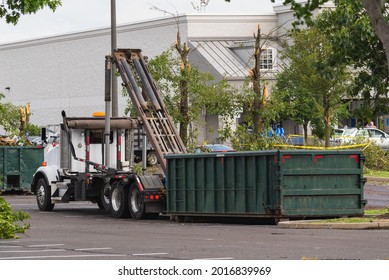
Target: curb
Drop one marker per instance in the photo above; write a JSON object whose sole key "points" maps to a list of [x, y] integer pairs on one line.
{"points": [[380, 180], [314, 224]]}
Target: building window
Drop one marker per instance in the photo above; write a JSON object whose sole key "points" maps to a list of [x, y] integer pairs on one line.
{"points": [[266, 59]]}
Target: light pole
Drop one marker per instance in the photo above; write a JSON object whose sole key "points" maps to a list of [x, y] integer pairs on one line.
{"points": [[115, 102], [111, 88]]}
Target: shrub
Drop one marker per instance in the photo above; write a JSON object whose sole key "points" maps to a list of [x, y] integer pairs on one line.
{"points": [[244, 140], [375, 157], [9, 225]]}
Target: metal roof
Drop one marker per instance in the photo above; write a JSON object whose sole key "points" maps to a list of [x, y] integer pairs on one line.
{"points": [[230, 58]]}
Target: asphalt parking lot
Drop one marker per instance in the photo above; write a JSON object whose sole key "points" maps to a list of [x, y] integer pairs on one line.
{"points": [[81, 231]]}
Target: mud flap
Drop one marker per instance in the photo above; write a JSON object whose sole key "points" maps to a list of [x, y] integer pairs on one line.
{"points": [[153, 193]]}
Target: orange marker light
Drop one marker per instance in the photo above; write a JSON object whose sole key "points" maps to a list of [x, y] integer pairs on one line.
{"points": [[44, 163], [98, 114]]}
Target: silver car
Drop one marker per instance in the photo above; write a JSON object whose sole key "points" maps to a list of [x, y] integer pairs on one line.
{"points": [[372, 134]]}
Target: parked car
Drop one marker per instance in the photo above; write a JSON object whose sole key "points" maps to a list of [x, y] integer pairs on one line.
{"points": [[220, 148], [335, 140], [35, 140], [339, 131], [372, 134], [54, 140]]}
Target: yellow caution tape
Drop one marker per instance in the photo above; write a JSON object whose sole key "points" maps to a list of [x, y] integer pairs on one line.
{"points": [[365, 145]]}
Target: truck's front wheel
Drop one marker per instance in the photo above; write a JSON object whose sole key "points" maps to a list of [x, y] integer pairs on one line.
{"points": [[137, 206], [43, 196], [119, 200]]}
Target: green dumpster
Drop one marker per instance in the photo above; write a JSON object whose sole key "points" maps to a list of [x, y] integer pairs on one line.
{"points": [[220, 183], [321, 183], [266, 184], [17, 166]]}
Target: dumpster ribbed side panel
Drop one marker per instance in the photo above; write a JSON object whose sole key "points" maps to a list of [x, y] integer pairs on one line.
{"points": [[267, 184], [17, 166], [220, 184], [321, 183]]}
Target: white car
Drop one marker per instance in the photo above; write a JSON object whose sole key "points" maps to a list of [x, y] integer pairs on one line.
{"points": [[373, 134]]}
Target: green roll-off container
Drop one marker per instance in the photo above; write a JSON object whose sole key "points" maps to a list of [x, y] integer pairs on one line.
{"points": [[17, 166], [321, 183], [279, 184]]}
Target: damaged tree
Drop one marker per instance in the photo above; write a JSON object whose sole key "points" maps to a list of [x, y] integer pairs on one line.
{"points": [[259, 90], [183, 50]]}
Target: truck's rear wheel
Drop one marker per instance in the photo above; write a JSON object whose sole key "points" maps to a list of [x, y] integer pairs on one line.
{"points": [[43, 195], [137, 206], [119, 200], [104, 201]]}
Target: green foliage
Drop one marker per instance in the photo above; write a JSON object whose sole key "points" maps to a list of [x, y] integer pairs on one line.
{"points": [[312, 86], [9, 116], [244, 140], [9, 226], [303, 10], [375, 157], [205, 94], [377, 212], [33, 129], [10, 119], [13, 9], [137, 168], [375, 173], [355, 43]]}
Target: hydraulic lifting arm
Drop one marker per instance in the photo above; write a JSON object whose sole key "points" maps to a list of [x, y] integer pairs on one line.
{"points": [[148, 103]]}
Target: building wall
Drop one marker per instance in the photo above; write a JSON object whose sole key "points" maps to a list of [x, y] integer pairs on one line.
{"points": [[66, 72]]}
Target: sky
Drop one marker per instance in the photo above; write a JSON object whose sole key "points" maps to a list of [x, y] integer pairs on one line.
{"points": [[81, 15]]}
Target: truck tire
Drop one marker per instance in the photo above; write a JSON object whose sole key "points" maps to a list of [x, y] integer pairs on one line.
{"points": [[119, 200], [136, 204], [43, 196], [152, 159], [104, 201]]}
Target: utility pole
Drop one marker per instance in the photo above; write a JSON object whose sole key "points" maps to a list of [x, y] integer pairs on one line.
{"points": [[111, 88], [114, 82]]}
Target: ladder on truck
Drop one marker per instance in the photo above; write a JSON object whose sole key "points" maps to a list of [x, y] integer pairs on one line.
{"points": [[149, 104]]}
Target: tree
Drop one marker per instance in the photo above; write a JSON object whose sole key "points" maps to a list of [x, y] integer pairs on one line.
{"points": [[9, 117], [258, 102], [185, 69], [355, 43], [15, 120], [293, 100], [257, 116], [376, 9], [202, 93], [312, 84], [13, 9], [189, 92]]}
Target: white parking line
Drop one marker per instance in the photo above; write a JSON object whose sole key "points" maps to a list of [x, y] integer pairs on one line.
{"points": [[45, 245], [22, 204], [90, 249], [74, 216], [224, 258], [34, 251], [64, 256], [149, 254]]}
